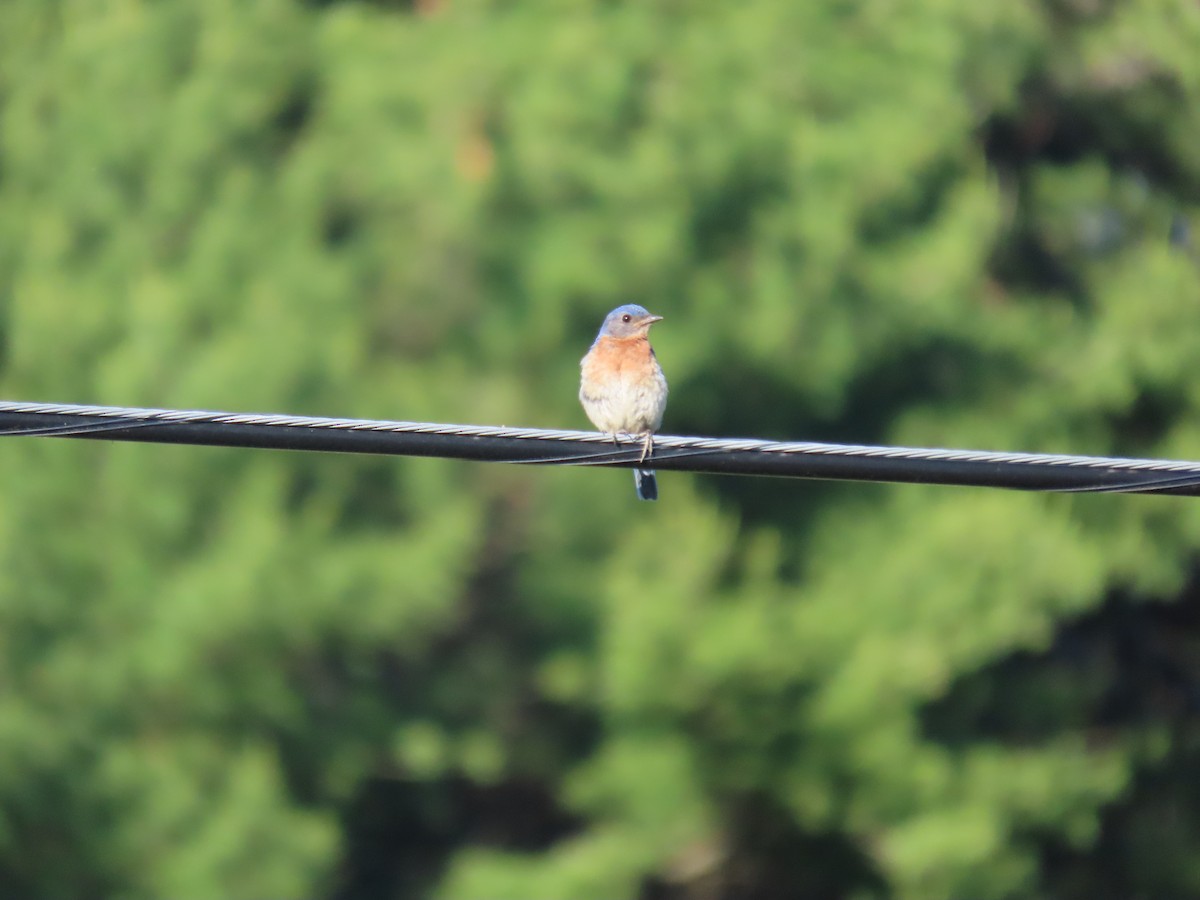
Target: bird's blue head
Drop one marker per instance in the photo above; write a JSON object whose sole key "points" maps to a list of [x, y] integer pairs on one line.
{"points": [[628, 321]]}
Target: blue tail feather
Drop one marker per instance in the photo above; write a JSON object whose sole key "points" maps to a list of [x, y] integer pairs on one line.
{"points": [[646, 484]]}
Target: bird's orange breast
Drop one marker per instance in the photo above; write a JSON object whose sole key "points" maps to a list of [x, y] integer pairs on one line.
{"points": [[622, 358]]}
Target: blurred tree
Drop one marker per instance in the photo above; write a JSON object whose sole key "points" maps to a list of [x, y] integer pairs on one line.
{"points": [[253, 674]]}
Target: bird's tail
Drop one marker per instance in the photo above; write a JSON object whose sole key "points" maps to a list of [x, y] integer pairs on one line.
{"points": [[646, 484]]}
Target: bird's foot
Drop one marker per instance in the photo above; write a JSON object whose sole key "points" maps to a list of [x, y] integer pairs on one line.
{"points": [[647, 446]]}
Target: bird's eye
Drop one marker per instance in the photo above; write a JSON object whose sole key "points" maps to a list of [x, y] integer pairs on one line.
{"points": [[627, 318]]}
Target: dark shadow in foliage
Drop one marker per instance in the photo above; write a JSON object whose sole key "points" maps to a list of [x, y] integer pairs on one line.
{"points": [[724, 214], [912, 210], [1147, 844], [1140, 429], [294, 114], [369, 490], [50, 843], [1024, 263], [939, 372], [1050, 127], [769, 858], [740, 400], [400, 834], [341, 223], [1063, 129], [1125, 668], [744, 401], [747, 731], [1125, 665]]}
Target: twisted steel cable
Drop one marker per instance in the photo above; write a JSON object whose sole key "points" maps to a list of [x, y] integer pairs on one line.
{"points": [[536, 446]]}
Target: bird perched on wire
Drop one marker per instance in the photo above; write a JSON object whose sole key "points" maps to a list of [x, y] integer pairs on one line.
{"points": [[622, 387]]}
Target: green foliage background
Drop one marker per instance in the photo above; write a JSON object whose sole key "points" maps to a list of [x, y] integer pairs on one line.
{"points": [[253, 674]]}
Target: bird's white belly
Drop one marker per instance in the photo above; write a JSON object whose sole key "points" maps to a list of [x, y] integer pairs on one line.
{"points": [[627, 406]]}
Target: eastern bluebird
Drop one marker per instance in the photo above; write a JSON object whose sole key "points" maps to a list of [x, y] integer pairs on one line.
{"points": [[622, 387]]}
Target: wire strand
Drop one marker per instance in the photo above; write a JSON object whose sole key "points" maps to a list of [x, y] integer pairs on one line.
{"points": [[536, 446]]}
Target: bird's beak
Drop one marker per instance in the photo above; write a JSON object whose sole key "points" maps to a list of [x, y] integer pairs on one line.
{"points": [[650, 320]]}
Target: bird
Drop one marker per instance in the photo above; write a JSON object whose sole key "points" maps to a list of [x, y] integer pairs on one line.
{"points": [[622, 386]]}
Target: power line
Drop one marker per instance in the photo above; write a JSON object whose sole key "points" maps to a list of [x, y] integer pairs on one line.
{"points": [[536, 446]]}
